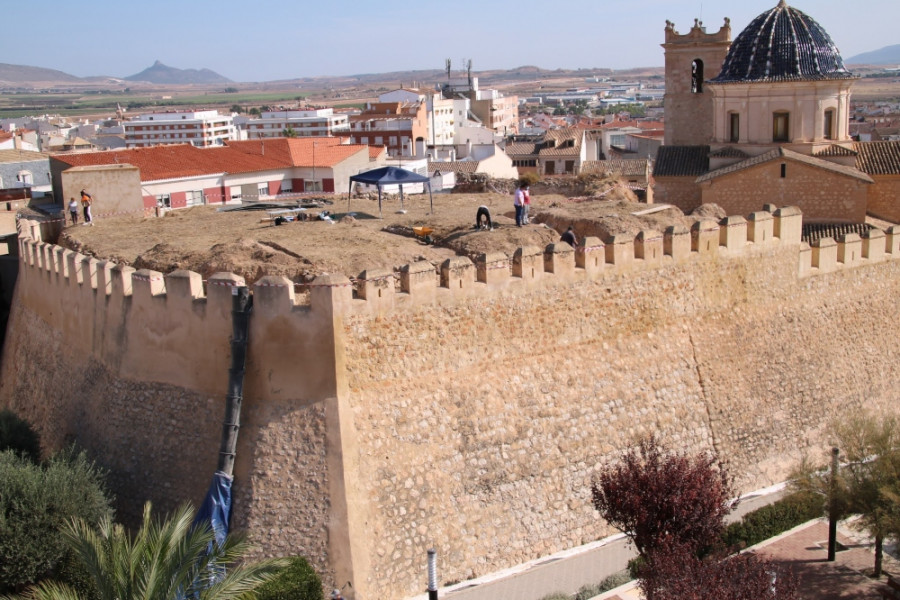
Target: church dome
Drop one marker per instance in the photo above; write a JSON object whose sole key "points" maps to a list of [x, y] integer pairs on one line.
{"points": [[783, 44]]}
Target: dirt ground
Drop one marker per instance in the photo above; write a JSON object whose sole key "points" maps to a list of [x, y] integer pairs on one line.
{"points": [[209, 240]]}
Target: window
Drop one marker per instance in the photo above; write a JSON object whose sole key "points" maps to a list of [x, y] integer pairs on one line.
{"points": [[734, 127], [780, 123], [287, 186], [194, 198], [829, 124], [262, 189], [783, 169], [697, 76], [312, 186], [164, 201], [25, 178]]}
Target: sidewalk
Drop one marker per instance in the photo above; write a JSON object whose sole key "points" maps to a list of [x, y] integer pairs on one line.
{"points": [[568, 571]]}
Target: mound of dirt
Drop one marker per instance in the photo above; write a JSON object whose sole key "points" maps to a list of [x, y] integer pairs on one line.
{"points": [[247, 243]]}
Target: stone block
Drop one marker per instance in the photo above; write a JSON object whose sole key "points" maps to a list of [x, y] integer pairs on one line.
{"points": [[788, 224], [528, 263], [849, 249], [804, 268], [892, 241], [873, 244], [705, 237], [104, 277], [733, 233], [824, 254], [147, 284], [591, 256], [559, 259], [677, 242], [457, 273], [273, 295], [182, 288], [376, 286], [760, 227], [492, 267], [418, 280], [122, 281], [329, 293], [620, 249], [648, 246], [219, 291]]}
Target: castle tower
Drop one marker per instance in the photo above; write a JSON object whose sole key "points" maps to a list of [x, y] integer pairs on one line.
{"points": [[690, 59]]}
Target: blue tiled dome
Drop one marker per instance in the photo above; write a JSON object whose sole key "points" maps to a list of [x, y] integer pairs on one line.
{"points": [[783, 44]]}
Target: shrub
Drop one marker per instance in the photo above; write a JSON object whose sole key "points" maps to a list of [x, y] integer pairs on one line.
{"points": [[17, 435], [297, 581], [35, 501], [595, 589], [530, 178], [557, 596], [773, 519]]}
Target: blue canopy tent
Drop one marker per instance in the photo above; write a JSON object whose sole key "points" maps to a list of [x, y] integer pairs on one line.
{"points": [[390, 176]]}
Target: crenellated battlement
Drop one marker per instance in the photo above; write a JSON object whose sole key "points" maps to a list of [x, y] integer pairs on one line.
{"points": [[473, 398], [380, 290]]}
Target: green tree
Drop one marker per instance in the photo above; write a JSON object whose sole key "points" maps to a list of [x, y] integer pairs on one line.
{"points": [[870, 479], [17, 435], [163, 560], [290, 132], [35, 502], [237, 108]]}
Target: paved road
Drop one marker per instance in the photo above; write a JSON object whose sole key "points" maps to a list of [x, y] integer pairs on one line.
{"points": [[570, 570]]}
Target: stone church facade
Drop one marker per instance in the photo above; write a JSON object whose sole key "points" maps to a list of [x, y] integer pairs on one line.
{"points": [[765, 119]]}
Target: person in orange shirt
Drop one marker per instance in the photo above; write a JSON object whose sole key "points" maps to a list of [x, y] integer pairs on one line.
{"points": [[86, 201]]}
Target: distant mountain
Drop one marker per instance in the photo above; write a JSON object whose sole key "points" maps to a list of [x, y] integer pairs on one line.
{"points": [[889, 55], [25, 74], [160, 73]]}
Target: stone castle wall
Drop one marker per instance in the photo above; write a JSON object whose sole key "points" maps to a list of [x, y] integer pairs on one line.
{"points": [[468, 409], [818, 194]]}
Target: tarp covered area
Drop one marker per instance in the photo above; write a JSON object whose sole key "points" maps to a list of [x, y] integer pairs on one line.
{"points": [[390, 176]]}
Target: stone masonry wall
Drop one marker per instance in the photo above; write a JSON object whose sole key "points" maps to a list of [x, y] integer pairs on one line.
{"points": [[820, 195], [882, 201], [468, 411], [482, 423]]}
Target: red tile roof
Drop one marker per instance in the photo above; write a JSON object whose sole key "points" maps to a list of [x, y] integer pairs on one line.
{"points": [[183, 160], [173, 161], [300, 152]]}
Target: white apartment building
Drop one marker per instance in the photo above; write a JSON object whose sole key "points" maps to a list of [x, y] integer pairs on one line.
{"points": [[200, 128], [320, 122], [447, 116]]}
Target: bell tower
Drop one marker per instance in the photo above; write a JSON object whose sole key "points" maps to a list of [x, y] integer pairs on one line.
{"points": [[691, 59]]}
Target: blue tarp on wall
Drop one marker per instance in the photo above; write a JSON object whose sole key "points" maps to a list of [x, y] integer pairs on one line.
{"points": [[216, 507]]}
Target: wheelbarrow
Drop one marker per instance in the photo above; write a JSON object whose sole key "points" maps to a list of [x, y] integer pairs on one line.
{"points": [[423, 234]]}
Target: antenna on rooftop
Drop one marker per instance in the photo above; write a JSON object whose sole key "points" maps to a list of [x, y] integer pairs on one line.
{"points": [[447, 67]]}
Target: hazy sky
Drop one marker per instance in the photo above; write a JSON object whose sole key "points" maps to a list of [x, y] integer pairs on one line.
{"points": [[263, 40]]}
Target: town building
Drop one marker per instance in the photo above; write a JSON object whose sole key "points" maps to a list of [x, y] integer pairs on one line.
{"points": [[182, 175], [399, 126], [765, 119], [318, 122], [25, 169], [202, 128]]}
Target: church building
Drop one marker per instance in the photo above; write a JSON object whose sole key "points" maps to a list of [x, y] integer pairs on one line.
{"points": [[765, 120]]}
